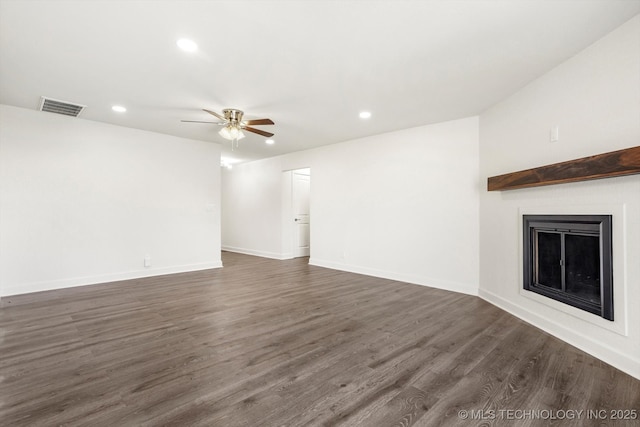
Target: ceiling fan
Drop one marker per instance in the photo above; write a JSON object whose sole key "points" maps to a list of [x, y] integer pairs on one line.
{"points": [[233, 125]]}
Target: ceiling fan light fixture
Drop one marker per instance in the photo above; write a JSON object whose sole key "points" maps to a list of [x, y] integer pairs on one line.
{"points": [[233, 125], [225, 133], [231, 132]]}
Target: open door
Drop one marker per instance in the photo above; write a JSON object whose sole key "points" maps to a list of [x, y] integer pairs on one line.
{"points": [[301, 186]]}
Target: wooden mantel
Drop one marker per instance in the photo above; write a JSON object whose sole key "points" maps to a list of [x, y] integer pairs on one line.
{"points": [[607, 165]]}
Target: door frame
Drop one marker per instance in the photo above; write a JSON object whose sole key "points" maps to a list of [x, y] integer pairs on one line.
{"points": [[287, 219]]}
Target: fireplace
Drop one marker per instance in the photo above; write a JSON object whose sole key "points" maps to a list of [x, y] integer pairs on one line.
{"points": [[568, 258]]}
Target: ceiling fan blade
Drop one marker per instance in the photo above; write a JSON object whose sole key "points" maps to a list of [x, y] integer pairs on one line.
{"points": [[198, 121], [214, 113], [258, 131], [259, 122]]}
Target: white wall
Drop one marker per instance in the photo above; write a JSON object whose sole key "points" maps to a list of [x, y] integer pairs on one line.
{"points": [[251, 208], [83, 202], [594, 98], [402, 205]]}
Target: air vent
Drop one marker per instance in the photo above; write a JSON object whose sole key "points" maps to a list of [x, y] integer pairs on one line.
{"points": [[51, 105]]}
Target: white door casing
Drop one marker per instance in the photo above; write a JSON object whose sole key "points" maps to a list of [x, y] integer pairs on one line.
{"points": [[301, 217]]}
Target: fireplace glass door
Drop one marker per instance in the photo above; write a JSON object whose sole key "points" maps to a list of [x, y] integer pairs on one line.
{"points": [[568, 258], [582, 266]]}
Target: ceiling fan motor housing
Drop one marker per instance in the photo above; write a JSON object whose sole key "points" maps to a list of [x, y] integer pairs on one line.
{"points": [[233, 125], [233, 115]]}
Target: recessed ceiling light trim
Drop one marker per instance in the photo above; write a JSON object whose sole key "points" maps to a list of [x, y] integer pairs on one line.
{"points": [[269, 142], [365, 114], [119, 109], [187, 45]]}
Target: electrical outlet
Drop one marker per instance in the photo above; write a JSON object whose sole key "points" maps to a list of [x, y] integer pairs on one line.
{"points": [[147, 261]]}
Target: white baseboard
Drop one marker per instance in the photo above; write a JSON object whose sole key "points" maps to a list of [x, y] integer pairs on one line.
{"points": [[392, 275], [25, 288], [625, 362], [264, 254]]}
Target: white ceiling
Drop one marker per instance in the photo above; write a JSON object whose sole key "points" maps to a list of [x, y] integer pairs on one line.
{"points": [[311, 66]]}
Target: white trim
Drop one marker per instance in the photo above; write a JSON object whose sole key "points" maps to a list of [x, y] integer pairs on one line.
{"points": [[264, 254], [464, 288], [620, 292], [286, 220], [619, 326], [625, 362], [25, 288]]}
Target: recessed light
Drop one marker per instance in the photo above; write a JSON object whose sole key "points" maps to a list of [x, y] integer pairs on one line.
{"points": [[365, 114], [187, 45], [118, 109], [270, 142]]}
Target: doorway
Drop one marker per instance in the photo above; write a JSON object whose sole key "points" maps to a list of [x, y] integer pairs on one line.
{"points": [[297, 217]]}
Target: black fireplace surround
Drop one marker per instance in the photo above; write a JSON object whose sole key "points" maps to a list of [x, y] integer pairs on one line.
{"points": [[568, 258]]}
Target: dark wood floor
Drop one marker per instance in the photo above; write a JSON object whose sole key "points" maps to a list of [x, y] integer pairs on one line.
{"points": [[281, 343]]}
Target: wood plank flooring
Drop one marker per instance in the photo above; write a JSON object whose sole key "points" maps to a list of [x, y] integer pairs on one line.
{"points": [[281, 343]]}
